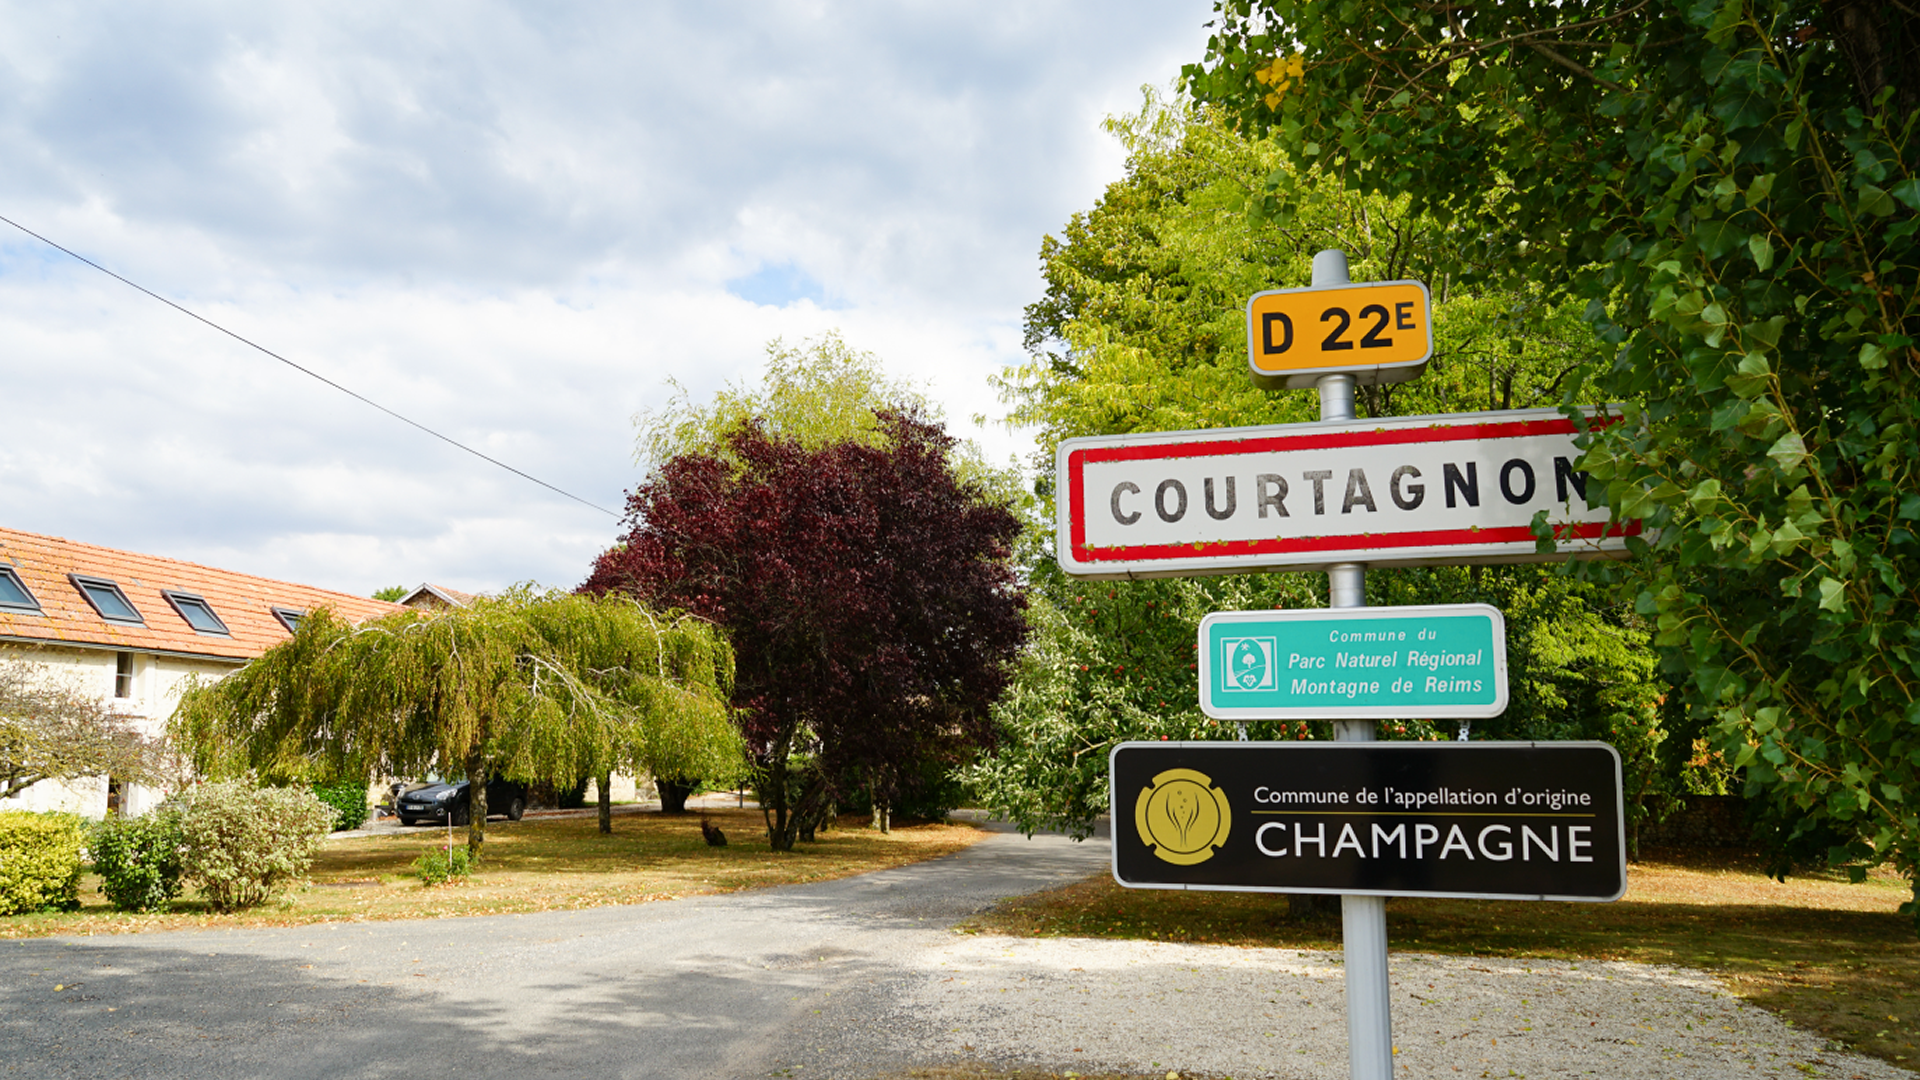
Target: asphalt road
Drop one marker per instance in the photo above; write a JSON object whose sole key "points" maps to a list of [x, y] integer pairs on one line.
{"points": [[798, 981]]}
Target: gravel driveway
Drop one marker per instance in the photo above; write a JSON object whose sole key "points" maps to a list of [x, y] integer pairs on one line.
{"points": [[838, 979], [1149, 1007]]}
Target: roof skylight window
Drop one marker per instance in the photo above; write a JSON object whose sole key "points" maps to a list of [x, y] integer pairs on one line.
{"points": [[107, 599], [13, 592], [195, 609], [289, 618]]}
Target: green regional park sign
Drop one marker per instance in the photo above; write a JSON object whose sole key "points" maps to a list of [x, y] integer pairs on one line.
{"points": [[1429, 662]]}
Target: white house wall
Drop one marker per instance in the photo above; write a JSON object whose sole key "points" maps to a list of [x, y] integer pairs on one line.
{"points": [[157, 683]]}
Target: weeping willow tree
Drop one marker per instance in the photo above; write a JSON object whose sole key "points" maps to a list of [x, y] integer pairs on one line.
{"points": [[529, 685]]}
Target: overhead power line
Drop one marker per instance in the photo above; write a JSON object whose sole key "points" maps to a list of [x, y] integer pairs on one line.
{"points": [[449, 440]]}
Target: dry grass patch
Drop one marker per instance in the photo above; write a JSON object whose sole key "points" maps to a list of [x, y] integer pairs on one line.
{"points": [[1827, 955], [536, 865]]}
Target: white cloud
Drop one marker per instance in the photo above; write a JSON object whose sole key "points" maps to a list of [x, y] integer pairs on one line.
{"points": [[512, 223]]}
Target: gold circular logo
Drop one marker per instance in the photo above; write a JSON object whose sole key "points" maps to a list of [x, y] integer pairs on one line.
{"points": [[1182, 816]]}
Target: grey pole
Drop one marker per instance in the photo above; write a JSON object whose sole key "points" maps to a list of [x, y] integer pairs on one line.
{"points": [[1363, 919]]}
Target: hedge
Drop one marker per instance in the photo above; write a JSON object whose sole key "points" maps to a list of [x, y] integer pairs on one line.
{"points": [[349, 801], [40, 861]]}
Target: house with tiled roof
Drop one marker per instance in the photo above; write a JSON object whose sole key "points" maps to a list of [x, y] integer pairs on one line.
{"points": [[131, 628], [431, 597]]}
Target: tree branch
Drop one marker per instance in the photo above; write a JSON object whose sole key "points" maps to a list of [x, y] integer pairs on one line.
{"points": [[1466, 49], [16, 785], [1573, 66]]}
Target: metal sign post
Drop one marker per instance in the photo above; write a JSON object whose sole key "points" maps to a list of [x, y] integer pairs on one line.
{"points": [[1363, 919]]}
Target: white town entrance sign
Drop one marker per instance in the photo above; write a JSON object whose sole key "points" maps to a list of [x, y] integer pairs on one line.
{"points": [[1407, 491]]}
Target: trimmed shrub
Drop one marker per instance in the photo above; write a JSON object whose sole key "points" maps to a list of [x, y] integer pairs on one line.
{"points": [[349, 802], [242, 845], [40, 861], [441, 865], [139, 860]]}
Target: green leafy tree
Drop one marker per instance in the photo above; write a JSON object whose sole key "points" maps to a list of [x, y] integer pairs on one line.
{"points": [[392, 594], [1143, 324], [536, 686], [1731, 187], [816, 393], [1142, 328], [1108, 661]]}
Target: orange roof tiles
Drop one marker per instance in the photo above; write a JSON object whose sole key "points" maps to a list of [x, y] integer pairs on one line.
{"points": [[242, 601]]}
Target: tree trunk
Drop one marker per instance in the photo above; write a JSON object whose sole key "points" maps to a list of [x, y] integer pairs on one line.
{"points": [[806, 808], [817, 819], [780, 826], [881, 784], [1881, 42], [476, 802], [605, 780], [674, 792]]}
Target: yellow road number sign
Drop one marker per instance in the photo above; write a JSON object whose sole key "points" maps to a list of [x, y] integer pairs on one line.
{"points": [[1379, 331]]}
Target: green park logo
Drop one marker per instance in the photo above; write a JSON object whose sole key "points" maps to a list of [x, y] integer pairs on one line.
{"points": [[1182, 816], [1247, 663]]}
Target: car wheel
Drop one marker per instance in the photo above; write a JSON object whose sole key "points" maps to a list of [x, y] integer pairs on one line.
{"points": [[462, 816], [409, 821], [516, 808]]}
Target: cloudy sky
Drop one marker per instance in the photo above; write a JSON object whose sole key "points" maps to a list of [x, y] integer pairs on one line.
{"points": [[512, 223]]}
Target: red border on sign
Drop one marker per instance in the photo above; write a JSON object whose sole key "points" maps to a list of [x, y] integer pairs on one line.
{"points": [[1322, 440]]}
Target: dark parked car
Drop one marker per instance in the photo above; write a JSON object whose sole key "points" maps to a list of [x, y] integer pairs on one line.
{"points": [[432, 804]]}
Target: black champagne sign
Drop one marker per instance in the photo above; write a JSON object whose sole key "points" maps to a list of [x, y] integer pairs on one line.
{"points": [[1528, 821]]}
